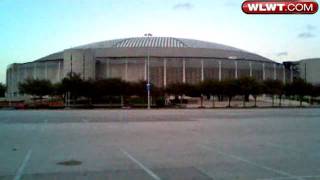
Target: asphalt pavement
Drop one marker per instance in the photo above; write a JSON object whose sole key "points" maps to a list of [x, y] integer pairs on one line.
{"points": [[199, 144]]}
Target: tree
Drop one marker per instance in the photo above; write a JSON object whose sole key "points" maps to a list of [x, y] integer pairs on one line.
{"points": [[57, 89], [211, 88], [87, 90], [110, 87], [2, 90], [36, 87], [315, 93], [246, 87], [194, 90], [288, 91], [178, 89], [71, 84], [256, 90], [317, 90], [280, 92], [138, 89], [301, 88], [272, 88], [230, 88], [113, 87]]}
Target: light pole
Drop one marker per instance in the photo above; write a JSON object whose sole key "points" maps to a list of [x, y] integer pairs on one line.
{"points": [[148, 35]]}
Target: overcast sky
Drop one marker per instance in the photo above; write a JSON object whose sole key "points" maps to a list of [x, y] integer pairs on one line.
{"points": [[30, 29]]}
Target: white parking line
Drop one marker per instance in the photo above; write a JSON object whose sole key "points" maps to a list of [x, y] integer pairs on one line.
{"points": [[23, 165], [204, 172], [252, 163], [202, 119], [147, 170], [284, 178], [287, 148]]}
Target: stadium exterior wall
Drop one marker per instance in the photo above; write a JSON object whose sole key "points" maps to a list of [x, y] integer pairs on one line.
{"points": [[167, 65], [309, 70]]}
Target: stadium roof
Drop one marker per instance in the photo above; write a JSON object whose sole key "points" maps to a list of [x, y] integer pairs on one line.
{"points": [[156, 42], [163, 46]]}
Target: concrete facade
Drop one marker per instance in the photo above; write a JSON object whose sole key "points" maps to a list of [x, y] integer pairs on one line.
{"points": [[309, 70], [80, 62]]}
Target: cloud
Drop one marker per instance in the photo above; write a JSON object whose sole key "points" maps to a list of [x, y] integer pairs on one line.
{"points": [[284, 53], [309, 32], [305, 35], [184, 6], [311, 27]]}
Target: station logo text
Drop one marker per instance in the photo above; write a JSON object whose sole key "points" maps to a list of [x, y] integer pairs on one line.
{"points": [[280, 7]]}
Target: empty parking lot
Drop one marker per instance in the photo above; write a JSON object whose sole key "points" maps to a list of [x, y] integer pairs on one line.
{"points": [[264, 144]]}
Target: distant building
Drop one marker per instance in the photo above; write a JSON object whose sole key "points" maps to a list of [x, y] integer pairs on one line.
{"points": [[309, 70], [172, 60]]}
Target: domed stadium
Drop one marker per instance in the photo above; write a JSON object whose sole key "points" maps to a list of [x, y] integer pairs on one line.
{"points": [[172, 60]]}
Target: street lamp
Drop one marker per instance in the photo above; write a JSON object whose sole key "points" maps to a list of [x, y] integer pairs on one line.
{"points": [[148, 35]]}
